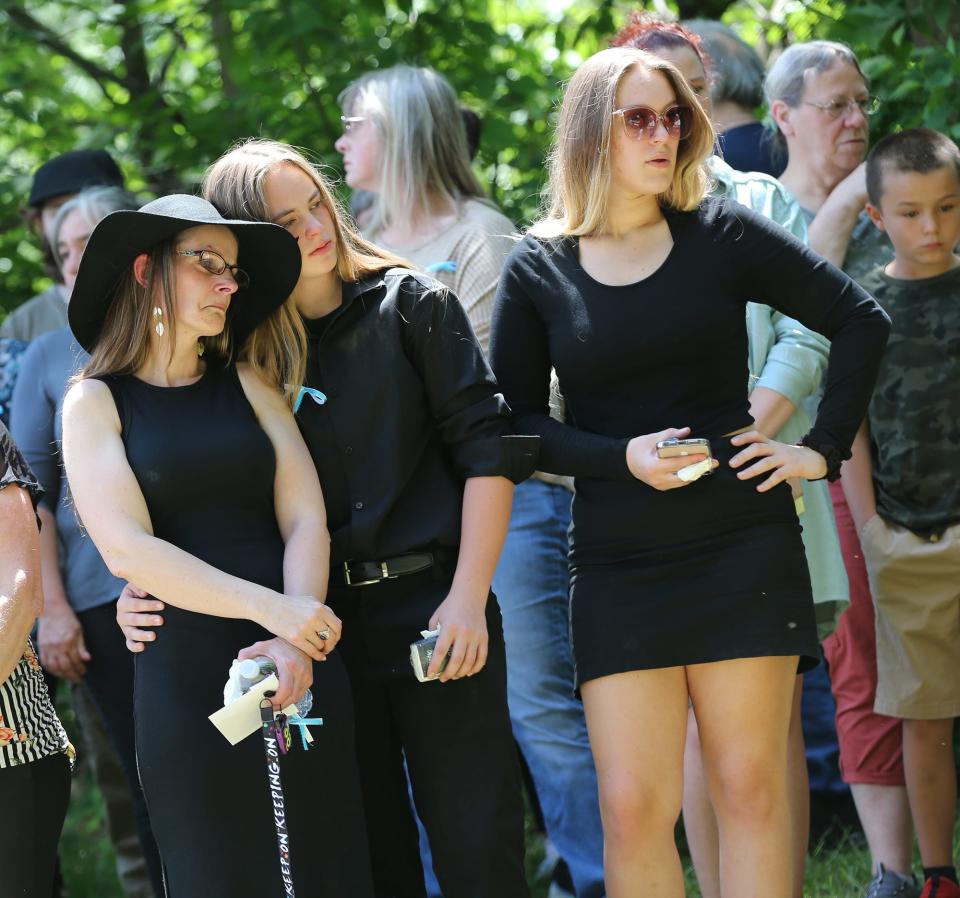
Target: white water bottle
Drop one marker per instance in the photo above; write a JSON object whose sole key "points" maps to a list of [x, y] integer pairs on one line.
{"points": [[252, 670]]}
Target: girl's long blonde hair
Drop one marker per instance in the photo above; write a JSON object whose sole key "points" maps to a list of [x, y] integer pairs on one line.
{"points": [[578, 185], [277, 349]]}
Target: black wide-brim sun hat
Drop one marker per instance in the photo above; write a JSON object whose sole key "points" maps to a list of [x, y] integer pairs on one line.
{"points": [[266, 252]]}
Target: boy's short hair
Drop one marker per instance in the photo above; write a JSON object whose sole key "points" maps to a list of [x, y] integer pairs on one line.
{"points": [[918, 150]]}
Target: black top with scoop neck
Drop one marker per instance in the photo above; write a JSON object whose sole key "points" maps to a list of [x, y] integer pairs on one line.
{"points": [[670, 350]]}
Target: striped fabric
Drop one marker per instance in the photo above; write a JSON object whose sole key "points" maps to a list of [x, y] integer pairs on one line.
{"points": [[29, 727]]}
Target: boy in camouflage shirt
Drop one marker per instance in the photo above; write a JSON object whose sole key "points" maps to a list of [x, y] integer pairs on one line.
{"points": [[903, 482]]}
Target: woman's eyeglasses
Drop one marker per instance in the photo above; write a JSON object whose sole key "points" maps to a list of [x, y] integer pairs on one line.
{"points": [[351, 121], [838, 108], [214, 263], [641, 121]]}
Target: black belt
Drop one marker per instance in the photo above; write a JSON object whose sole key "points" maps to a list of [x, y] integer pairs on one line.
{"points": [[365, 573]]}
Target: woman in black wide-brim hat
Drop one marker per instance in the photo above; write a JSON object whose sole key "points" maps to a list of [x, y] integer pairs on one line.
{"points": [[193, 481]]}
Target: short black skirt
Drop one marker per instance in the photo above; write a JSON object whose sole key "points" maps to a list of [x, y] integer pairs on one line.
{"points": [[708, 572]]}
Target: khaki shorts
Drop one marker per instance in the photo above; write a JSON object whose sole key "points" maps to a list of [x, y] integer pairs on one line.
{"points": [[915, 583]]}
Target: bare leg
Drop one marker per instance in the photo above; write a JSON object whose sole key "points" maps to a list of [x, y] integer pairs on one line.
{"points": [[637, 725], [699, 820], [884, 814], [798, 791], [931, 787], [743, 708]]}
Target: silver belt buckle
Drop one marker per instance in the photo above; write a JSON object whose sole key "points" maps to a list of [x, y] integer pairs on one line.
{"points": [[346, 576]]}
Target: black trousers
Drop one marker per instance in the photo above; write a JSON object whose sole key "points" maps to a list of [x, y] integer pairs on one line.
{"points": [[109, 678], [455, 737], [34, 799]]}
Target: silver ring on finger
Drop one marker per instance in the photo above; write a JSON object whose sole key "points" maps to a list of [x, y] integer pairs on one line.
{"points": [[324, 634]]}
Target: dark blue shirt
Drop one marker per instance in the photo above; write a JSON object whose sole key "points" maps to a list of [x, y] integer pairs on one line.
{"points": [[750, 148]]}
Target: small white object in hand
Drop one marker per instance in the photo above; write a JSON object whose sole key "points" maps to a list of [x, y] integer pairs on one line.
{"points": [[234, 687], [695, 471]]}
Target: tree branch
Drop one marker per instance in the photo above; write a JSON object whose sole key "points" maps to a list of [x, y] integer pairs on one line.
{"points": [[134, 53], [178, 45], [223, 41], [50, 39]]}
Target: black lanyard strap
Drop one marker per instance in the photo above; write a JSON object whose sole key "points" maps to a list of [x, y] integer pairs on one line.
{"points": [[271, 744]]}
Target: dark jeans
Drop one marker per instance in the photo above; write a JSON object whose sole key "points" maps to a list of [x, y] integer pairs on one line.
{"points": [[109, 679], [34, 799], [458, 746]]}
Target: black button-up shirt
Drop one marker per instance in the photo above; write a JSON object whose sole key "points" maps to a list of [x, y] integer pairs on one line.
{"points": [[412, 410]]}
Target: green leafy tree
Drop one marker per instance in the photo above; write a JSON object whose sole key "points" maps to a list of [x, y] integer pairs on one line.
{"points": [[909, 51], [167, 85]]}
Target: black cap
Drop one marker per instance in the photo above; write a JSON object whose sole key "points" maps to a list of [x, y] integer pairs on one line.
{"points": [[267, 252], [71, 173]]}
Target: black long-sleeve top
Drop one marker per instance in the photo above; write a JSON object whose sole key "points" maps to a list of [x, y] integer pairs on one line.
{"points": [[412, 411], [671, 350]]}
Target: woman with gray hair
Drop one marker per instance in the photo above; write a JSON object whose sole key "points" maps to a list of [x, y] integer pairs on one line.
{"points": [[77, 637], [736, 90], [820, 101], [405, 141]]}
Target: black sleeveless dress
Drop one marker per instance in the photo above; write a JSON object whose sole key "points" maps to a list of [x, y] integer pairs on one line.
{"points": [[206, 469]]}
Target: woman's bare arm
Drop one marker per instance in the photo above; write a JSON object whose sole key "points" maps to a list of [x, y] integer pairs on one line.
{"points": [[60, 642], [113, 509], [770, 410], [301, 513], [21, 596], [301, 516]]}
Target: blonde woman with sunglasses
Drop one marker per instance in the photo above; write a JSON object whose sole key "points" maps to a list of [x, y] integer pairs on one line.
{"points": [[633, 287]]}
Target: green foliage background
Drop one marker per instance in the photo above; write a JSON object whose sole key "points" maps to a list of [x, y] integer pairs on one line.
{"points": [[167, 85]]}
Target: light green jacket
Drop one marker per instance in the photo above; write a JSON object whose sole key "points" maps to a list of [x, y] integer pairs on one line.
{"points": [[790, 359]]}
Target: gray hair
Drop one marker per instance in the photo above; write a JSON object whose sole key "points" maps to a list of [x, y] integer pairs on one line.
{"points": [[737, 71], [94, 204], [424, 149], [789, 75]]}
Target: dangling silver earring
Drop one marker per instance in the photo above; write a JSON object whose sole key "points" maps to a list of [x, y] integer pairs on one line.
{"points": [[200, 348], [158, 320]]}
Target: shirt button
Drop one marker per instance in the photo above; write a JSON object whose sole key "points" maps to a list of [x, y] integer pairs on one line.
{"points": [[934, 537], [358, 506], [349, 450]]}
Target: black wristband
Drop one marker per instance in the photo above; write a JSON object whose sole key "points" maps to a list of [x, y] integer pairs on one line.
{"points": [[831, 454]]}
